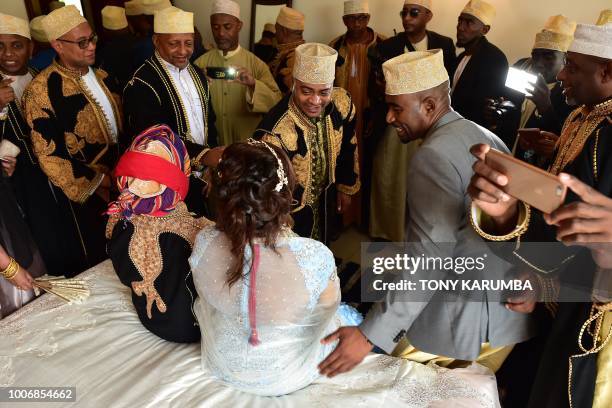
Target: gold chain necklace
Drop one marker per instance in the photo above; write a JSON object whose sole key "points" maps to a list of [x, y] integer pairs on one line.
{"points": [[579, 126]]}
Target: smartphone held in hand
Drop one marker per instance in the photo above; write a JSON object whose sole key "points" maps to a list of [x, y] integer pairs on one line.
{"points": [[227, 73], [528, 183], [521, 81]]}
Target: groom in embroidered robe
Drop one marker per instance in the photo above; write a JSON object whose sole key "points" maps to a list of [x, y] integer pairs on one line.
{"points": [[168, 89]]}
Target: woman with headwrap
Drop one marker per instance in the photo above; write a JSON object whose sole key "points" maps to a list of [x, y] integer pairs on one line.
{"points": [[151, 233]]}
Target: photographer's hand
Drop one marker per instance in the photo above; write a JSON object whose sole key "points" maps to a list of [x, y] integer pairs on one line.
{"points": [[540, 95]]}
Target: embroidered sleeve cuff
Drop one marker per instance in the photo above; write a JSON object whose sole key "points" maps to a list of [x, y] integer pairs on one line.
{"points": [[93, 186], [199, 157], [480, 219]]}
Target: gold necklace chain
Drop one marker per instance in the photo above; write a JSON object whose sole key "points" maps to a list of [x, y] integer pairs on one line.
{"points": [[576, 132]]}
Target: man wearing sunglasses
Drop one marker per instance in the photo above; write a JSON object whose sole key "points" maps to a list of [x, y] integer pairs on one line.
{"points": [[480, 73], [391, 158], [74, 112]]}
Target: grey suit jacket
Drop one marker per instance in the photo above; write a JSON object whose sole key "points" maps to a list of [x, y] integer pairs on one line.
{"points": [[437, 206]]}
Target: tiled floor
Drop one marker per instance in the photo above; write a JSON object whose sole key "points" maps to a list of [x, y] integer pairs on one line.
{"points": [[348, 246]]}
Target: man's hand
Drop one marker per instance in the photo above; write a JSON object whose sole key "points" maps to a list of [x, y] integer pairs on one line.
{"points": [[525, 302], [351, 350], [211, 158], [540, 95], [543, 144], [587, 223], [344, 202], [7, 94], [244, 77], [8, 164], [485, 189]]}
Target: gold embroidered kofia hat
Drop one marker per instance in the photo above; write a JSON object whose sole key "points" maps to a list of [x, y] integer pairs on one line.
{"points": [[356, 7], [482, 10], [150, 7], [225, 7], [557, 34], [605, 17], [290, 18], [60, 21], [595, 40], [113, 18], [315, 64], [173, 20], [414, 72], [134, 8], [422, 3], [14, 25], [37, 31]]}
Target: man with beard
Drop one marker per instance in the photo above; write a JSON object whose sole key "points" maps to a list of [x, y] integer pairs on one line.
{"points": [[239, 103], [315, 125], [481, 70], [583, 154], [352, 73], [544, 108], [438, 327]]}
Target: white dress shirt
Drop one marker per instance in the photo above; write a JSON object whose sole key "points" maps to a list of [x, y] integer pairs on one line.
{"points": [[462, 64], [187, 91], [19, 84], [92, 84]]}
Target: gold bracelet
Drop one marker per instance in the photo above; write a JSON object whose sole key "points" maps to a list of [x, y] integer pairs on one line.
{"points": [[11, 270], [521, 226]]}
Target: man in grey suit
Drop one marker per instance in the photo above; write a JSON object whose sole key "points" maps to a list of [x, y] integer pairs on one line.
{"points": [[417, 93]]}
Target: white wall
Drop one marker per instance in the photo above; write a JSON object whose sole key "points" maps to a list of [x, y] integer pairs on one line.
{"points": [[513, 30], [14, 8]]}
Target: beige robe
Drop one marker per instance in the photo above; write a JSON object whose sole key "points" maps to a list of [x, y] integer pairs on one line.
{"points": [[389, 181], [238, 110]]}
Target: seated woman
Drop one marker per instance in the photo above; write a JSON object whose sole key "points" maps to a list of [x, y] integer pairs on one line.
{"points": [[151, 233], [266, 296]]}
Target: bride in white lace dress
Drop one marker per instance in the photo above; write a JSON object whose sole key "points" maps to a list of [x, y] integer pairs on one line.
{"points": [[267, 297]]}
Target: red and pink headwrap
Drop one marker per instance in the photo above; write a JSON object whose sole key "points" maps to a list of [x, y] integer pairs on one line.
{"points": [[169, 167]]}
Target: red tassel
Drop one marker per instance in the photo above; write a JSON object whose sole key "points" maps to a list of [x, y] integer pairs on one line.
{"points": [[254, 338]]}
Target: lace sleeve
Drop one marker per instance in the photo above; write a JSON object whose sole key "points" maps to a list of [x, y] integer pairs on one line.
{"points": [[317, 264], [204, 237]]}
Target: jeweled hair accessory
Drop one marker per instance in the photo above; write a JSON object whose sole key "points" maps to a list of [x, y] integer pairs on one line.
{"points": [[280, 171]]}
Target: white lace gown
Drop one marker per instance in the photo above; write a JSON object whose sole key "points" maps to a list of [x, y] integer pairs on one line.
{"points": [[297, 304], [101, 348]]}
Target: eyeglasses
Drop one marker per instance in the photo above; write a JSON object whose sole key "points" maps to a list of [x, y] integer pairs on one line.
{"points": [[413, 12], [83, 44]]}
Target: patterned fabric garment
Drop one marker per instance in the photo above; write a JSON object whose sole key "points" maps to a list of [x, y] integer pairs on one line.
{"points": [[157, 141], [287, 127], [71, 135], [72, 141], [151, 233], [298, 303]]}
